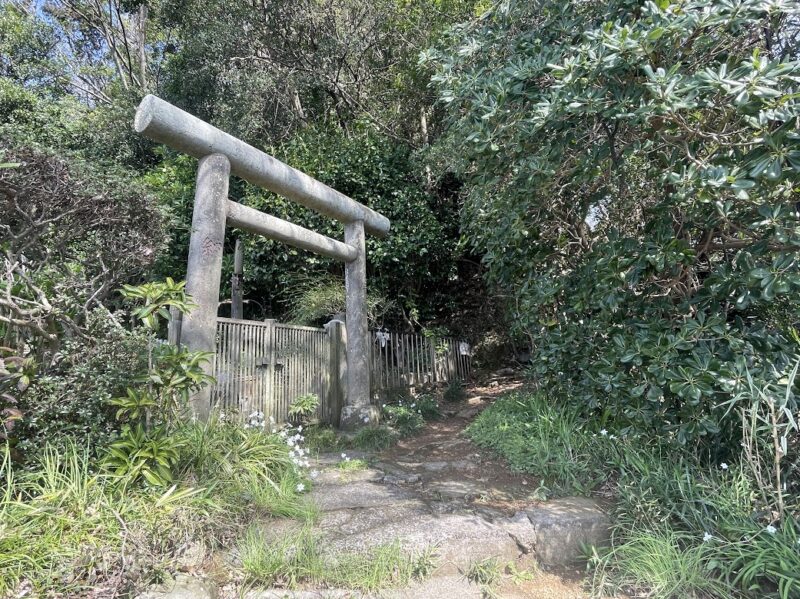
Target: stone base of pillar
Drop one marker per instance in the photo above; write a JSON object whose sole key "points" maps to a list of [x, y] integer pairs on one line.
{"points": [[355, 417]]}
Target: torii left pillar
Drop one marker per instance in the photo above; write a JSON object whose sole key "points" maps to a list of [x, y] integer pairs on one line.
{"points": [[204, 268]]}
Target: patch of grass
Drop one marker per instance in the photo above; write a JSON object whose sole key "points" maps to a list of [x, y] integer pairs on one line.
{"points": [[373, 438], [665, 564], [544, 439], [486, 572], [246, 468], [322, 438], [352, 465], [63, 525], [298, 558], [67, 527], [404, 419]]}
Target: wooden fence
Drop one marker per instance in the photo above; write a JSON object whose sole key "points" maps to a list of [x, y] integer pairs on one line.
{"points": [[264, 366], [408, 360]]}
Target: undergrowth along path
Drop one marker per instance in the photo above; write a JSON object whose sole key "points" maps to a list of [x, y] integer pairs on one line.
{"points": [[437, 492]]}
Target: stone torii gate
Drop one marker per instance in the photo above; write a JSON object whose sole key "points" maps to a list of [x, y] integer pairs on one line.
{"points": [[220, 156]]}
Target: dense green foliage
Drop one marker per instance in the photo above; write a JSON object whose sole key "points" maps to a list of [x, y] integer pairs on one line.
{"points": [[632, 173], [684, 526], [69, 528]]}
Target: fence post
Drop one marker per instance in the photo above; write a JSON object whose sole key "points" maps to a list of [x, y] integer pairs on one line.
{"points": [[269, 388], [174, 326], [338, 369]]}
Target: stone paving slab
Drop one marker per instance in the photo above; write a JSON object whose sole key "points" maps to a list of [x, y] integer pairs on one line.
{"points": [[458, 539], [359, 494]]}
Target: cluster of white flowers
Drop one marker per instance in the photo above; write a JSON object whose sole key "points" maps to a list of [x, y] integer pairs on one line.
{"points": [[412, 406], [255, 420], [345, 457], [294, 439]]}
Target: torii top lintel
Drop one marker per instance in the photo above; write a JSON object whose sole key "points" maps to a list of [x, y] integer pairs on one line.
{"points": [[162, 122]]}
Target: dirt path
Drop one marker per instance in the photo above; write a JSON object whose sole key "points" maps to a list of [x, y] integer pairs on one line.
{"points": [[438, 490]]}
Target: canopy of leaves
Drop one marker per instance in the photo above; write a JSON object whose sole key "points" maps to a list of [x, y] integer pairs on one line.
{"points": [[633, 171]]}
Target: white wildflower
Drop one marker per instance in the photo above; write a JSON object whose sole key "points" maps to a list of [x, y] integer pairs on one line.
{"points": [[707, 537], [724, 466], [300, 487], [604, 432], [771, 529], [344, 455]]}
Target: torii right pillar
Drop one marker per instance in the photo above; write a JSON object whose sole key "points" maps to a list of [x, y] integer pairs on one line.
{"points": [[357, 411]]}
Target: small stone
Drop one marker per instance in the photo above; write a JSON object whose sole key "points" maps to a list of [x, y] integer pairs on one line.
{"points": [[182, 587], [192, 557], [401, 479]]}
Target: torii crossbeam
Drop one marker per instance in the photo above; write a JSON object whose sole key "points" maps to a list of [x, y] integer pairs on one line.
{"points": [[220, 156]]}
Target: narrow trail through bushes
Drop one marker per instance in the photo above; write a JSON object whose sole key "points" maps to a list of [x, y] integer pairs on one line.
{"points": [[439, 491]]}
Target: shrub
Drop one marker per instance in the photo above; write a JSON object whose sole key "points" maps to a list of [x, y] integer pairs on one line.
{"points": [[650, 252], [304, 407], [403, 418], [427, 406], [373, 438], [454, 392], [150, 410], [70, 399]]}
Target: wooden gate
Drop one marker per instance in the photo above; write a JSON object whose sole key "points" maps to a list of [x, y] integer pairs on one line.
{"points": [[264, 366]]}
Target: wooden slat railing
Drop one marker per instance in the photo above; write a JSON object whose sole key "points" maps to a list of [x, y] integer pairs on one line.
{"points": [[264, 366]]}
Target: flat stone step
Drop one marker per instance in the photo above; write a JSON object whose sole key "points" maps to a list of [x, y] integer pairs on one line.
{"points": [[457, 539], [555, 531], [359, 494]]}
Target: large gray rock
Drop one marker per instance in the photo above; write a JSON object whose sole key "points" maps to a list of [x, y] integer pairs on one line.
{"points": [[457, 539], [182, 587], [561, 526]]}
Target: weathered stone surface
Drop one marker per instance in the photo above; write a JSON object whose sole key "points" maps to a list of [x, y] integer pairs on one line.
{"points": [[316, 594], [335, 476], [434, 466], [468, 413], [561, 526], [521, 530], [456, 489], [359, 494], [354, 418], [182, 587], [341, 523], [401, 479], [439, 587], [458, 539], [192, 557]]}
